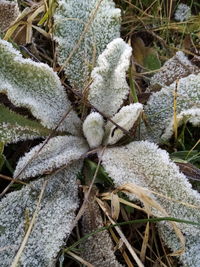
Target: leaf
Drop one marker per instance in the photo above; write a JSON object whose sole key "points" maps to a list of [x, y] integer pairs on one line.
{"points": [[159, 110], [35, 86], [147, 166], [8, 13], [82, 30], [145, 56], [109, 87], [57, 152], [53, 222], [125, 118], [15, 127]]}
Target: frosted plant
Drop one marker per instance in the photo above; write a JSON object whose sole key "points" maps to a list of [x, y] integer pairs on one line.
{"points": [[36, 87], [109, 87], [9, 11], [83, 28], [177, 67], [183, 12], [160, 109]]}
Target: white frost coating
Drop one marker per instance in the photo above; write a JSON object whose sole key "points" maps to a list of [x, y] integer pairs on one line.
{"points": [[52, 225], [70, 19], [9, 11], [183, 12], [109, 87], [177, 67], [159, 110], [144, 164], [125, 118], [59, 151], [93, 129], [37, 87]]}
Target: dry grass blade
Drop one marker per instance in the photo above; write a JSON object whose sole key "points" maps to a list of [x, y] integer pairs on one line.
{"points": [[78, 258], [145, 243], [115, 206], [32, 222]]}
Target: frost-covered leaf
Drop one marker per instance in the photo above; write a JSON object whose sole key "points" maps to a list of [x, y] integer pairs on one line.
{"points": [[177, 67], [98, 249], [84, 28], [53, 223], [15, 127], [125, 118], [109, 87], [93, 129], [144, 164], [35, 86], [159, 110], [59, 151], [8, 13]]}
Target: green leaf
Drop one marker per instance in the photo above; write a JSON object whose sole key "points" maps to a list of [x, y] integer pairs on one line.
{"points": [[15, 127], [151, 61]]}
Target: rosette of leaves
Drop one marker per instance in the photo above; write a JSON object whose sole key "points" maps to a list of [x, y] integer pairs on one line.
{"points": [[26, 213], [82, 30]]}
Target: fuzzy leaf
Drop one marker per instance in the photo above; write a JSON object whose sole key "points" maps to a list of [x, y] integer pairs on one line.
{"points": [[109, 87], [59, 151], [55, 217], [35, 86], [125, 118], [8, 13], [177, 67], [15, 127], [93, 129], [71, 18], [160, 109], [144, 164]]}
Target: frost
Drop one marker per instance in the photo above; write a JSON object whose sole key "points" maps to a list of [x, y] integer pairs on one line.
{"points": [[93, 129], [97, 249], [58, 151], [37, 87], [109, 87], [144, 164], [9, 11], [70, 19], [55, 217], [160, 108], [175, 68], [125, 118], [15, 127], [183, 12]]}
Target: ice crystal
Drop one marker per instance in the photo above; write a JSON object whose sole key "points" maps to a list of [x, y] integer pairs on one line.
{"points": [[125, 118], [93, 129], [70, 19], [177, 67], [183, 12], [59, 151], [56, 214], [8, 13], [109, 87], [144, 164], [97, 249], [160, 108], [37, 87]]}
